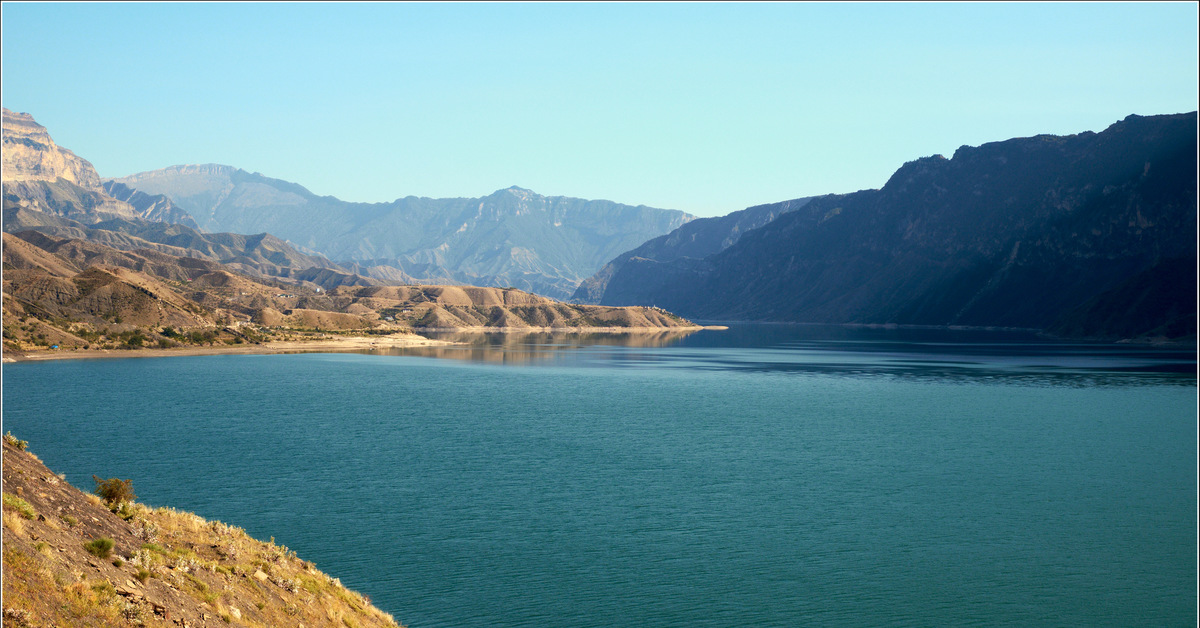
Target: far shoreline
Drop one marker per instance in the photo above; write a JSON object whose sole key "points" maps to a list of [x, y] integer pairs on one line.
{"points": [[329, 344]]}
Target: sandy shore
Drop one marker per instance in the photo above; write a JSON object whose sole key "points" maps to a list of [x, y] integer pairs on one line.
{"points": [[330, 344], [568, 330]]}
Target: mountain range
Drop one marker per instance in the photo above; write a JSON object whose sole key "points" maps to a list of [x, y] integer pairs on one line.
{"points": [[1091, 234], [512, 237]]}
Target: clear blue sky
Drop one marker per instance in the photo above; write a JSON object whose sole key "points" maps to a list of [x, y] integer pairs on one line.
{"points": [[708, 108]]}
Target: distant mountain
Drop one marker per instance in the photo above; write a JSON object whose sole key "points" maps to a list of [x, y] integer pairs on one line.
{"points": [[697, 239], [513, 237], [1090, 234], [51, 190], [42, 176]]}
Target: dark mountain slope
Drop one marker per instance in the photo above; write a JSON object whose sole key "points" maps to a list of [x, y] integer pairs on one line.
{"points": [[697, 239], [1017, 233]]}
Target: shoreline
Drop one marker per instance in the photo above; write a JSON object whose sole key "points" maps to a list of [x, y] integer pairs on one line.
{"points": [[567, 330], [330, 344]]}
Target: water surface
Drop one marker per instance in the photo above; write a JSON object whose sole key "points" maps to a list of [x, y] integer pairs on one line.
{"points": [[761, 476]]}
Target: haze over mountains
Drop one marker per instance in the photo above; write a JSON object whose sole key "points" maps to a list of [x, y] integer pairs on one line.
{"points": [[1091, 234], [1084, 235], [51, 190], [513, 237]]}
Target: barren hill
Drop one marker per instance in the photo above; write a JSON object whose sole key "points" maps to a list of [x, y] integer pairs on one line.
{"points": [[77, 294]]}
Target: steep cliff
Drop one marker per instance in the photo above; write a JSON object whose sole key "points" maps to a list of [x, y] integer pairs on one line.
{"points": [[43, 176], [1023, 233]]}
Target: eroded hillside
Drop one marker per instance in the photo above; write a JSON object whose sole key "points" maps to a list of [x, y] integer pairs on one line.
{"points": [[66, 294]]}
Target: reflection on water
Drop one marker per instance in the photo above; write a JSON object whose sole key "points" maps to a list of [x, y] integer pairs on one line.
{"points": [[937, 354], [517, 348]]}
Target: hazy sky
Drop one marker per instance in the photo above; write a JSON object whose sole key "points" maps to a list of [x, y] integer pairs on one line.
{"points": [[708, 108]]}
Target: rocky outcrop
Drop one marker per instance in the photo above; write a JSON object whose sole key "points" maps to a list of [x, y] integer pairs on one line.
{"points": [[155, 208], [30, 155], [42, 176]]}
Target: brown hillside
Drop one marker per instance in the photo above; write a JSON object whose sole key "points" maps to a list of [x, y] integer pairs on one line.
{"points": [[165, 567]]}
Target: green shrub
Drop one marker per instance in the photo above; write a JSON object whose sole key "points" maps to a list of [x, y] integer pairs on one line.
{"points": [[122, 510], [142, 575], [70, 521], [15, 442], [100, 547], [20, 505], [114, 491]]}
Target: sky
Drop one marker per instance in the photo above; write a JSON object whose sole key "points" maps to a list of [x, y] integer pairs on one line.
{"points": [[708, 108]]}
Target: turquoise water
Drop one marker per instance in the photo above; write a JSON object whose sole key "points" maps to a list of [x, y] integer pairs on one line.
{"points": [[762, 476]]}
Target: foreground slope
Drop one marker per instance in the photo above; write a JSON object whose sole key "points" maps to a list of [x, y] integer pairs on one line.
{"points": [[513, 237], [1090, 234], [164, 568]]}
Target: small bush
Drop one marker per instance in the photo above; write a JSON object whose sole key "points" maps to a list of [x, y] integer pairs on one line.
{"points": [[15, 442], [142, 575], [99, 548], [123, 510], [114, 491], [70, 521], [117, 562]]}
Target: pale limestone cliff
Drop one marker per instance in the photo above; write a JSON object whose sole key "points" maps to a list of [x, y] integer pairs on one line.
{"points": [[43, 176], [30, 155]]}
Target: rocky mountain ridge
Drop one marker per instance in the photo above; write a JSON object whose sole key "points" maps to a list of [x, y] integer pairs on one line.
{"points": [[513, 237], [1044, 232], [696, 240]]}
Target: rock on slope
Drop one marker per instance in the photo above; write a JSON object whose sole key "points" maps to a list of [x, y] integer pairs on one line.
{"points": [[513, 237], [164, 568]]}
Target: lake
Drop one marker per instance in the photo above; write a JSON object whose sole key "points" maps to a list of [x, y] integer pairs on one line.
{"points": [[766, 475]]}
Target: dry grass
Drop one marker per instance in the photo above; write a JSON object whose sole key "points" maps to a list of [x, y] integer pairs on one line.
{"points": [[168, 567]]}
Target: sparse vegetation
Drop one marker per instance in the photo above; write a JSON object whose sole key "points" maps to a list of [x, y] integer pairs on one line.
{"points": [[21, 506], [15, 442], [100, 547]]}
